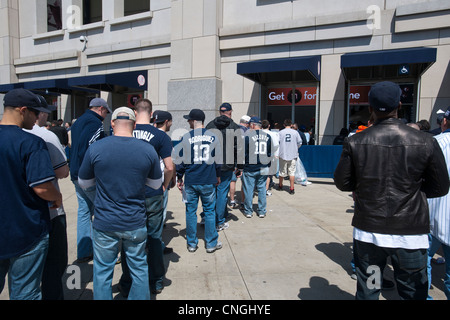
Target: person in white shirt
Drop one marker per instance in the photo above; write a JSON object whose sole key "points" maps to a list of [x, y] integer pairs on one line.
{"points": [[290, 141]]}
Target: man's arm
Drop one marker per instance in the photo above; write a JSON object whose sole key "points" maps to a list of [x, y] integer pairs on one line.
{"points": [[48, 192], [436, 179], [168, 172]]}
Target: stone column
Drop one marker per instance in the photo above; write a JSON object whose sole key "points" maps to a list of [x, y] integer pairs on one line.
{"points": [[195, 59]]}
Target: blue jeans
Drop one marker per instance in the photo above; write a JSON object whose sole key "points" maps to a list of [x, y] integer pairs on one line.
{"points": [[25, 272], [434, 246], [250, 180], [207, 194], [155, 258], [106, 250], [410, 270], [56, 262], [84, 220], [222, 196]]}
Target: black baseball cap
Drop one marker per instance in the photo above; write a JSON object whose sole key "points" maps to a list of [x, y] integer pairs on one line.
{"points": [[195, 114], [385, 96], [159, 116], [24, 98]]}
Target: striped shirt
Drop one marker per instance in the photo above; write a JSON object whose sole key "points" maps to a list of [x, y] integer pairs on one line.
{"points": [[440, 207]]}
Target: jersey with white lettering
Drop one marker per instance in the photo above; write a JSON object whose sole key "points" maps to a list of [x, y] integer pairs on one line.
{"points": [[162, 144], [290, 141], [258, 150], [195, 157]]}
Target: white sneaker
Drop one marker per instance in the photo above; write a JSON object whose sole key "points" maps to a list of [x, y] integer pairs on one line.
{"points": [[305, 183], [268, 193]]}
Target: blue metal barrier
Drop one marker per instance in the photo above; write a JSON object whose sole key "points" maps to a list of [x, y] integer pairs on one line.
{"points": [[320, 161]]}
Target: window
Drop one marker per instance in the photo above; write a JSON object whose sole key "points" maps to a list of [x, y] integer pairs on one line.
{"points": [[136, 6], [92, 11], [54, 15]]}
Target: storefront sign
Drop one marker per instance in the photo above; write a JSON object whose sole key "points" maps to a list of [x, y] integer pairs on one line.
{"points": [[359, 94], [302, 96]]}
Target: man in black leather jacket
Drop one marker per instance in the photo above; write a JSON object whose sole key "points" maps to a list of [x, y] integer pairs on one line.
{"points": [[392, 169]]}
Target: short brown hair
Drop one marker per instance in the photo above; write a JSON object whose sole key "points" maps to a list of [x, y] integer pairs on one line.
{"points": [[143, 105]]}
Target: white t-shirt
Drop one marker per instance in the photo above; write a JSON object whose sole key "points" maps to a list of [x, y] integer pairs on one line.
{"points": [[411, 242]]}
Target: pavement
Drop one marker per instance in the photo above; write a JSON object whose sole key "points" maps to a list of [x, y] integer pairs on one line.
{"points": [[301, 250]]}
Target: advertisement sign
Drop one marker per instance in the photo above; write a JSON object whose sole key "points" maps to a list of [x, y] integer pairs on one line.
{"points": [[303, 96], [132, 98]]}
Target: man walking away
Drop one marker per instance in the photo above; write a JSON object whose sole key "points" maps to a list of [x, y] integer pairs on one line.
{"points": [[392, 169], [120, 167]]}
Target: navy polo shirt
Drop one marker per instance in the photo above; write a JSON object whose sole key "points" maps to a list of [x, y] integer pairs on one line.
{"points": [[162, 144], [25, 163]]}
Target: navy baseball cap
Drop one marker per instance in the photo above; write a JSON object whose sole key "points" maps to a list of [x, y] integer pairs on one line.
{"points": [[385, 96], [159, 116], [225, 107], [45, 104], [256, 120], [195, 114], [24, 98], [99, 102]]}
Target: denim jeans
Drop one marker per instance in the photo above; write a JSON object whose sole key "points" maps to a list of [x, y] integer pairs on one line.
{"points": [[207, 194], [434, 246], [155, 257], [106, 250], [222, 196], [84, 220], [250, 180], [56, 262], [410, 271], [25, 272]]}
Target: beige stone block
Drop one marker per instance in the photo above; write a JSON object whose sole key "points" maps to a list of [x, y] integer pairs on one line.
{"points": [[192, 18], [242, 41], [181, 59], [205, 57], [343, 30], [290, 36], [233, 83], [432, 20], [332, 80], [411, 39]]}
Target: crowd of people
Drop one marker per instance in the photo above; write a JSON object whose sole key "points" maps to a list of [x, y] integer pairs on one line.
{"points": [[123, 180]]}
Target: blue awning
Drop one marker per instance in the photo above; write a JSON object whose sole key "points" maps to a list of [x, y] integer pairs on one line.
{"points": [[134, 80], [284, 69], [389, 57], [422, 58], [131, 81]]}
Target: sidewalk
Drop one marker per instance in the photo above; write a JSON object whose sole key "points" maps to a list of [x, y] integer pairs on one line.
{"points": [[300, 250]]}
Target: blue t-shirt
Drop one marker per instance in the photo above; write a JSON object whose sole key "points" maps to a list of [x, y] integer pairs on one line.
{"points": [[258, 150], [25, 163], [162, 144], [195, 157], [120, 167]]}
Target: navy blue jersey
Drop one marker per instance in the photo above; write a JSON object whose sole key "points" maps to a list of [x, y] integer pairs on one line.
{"points": [[84, 132], [25, 163], [195, 157], [258, 150], [162, 144], [120, 167]]}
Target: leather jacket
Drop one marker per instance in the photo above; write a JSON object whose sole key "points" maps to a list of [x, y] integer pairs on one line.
{"points": [[392, 169]]}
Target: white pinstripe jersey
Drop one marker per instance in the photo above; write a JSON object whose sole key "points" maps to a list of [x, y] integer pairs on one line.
{"points": [[440, 207]]}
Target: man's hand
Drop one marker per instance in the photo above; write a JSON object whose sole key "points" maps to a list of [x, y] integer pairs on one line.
{"points": [[180, 184]]}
